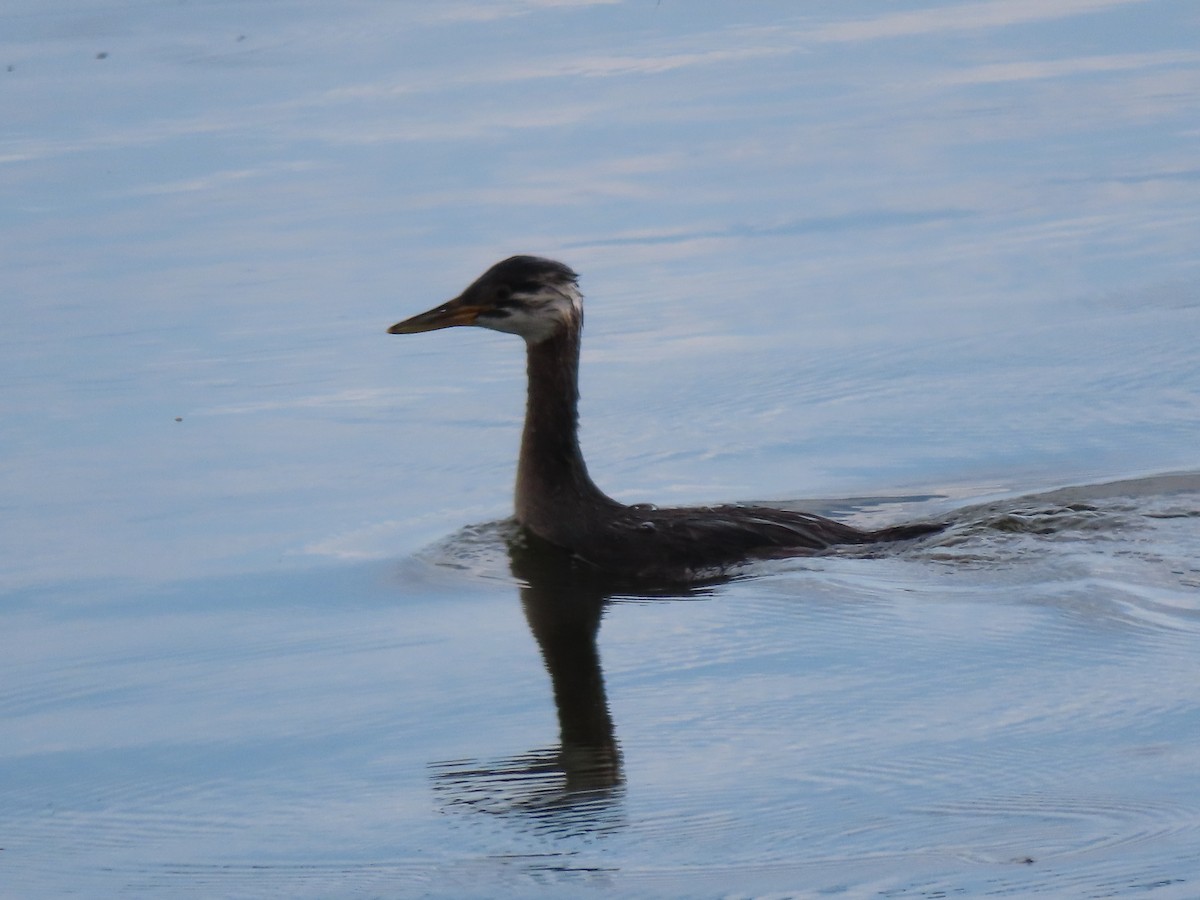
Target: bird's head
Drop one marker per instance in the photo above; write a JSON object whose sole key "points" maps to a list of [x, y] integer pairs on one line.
{"points": [[524, 295]]}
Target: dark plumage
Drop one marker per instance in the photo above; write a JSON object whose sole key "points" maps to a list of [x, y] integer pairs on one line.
{"points": [[556, 499]]}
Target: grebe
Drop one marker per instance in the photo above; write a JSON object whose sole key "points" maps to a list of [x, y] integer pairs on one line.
{"points": [[539, 300]]}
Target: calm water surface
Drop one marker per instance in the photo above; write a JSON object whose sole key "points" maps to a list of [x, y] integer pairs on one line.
{"points": [[264, 630]]}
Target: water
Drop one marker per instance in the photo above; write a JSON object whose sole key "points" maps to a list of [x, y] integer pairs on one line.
{"points": [[261, 629], [1006, 710]]}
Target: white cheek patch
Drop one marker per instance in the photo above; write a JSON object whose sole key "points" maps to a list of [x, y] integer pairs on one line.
{"points": [[536, 317], [534, 328], [574, 298]]}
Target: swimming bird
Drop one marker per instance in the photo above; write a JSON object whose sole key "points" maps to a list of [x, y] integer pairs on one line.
{"points": [[555, 498]]}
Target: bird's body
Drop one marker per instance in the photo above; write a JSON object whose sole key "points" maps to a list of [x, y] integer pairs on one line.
{"points": [[557, 500]]}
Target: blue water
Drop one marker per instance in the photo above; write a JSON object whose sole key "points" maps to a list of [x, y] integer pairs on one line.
{"points": [[908, 260]]}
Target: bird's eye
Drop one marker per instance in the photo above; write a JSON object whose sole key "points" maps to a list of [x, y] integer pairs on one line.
{"points": [[526, 287]]}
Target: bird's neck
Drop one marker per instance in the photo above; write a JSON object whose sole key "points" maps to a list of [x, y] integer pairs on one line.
{"points": [[555, 497]]}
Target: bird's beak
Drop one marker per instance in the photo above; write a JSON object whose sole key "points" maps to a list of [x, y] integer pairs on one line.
{"points": [[452, 312]]}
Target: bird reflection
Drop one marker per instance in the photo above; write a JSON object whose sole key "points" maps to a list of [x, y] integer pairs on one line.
{"points": [[576, 786]]}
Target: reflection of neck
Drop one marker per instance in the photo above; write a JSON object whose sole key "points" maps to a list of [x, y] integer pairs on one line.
{"points": [[565, 628], [574, 666], [555, 496]]}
